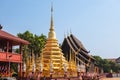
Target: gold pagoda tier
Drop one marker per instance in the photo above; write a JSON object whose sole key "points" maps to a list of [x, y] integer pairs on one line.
{"points": [[52, 58]]}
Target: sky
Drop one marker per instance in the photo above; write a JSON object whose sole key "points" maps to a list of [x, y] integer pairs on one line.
{"points": [[96, 23]]}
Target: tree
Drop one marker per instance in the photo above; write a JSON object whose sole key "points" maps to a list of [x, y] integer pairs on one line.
{"points": [[106, 65], [36, 43], [99, 61], [26, 49], [39, 42]]}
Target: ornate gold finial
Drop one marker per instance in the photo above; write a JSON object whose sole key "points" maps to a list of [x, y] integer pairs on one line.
{"points": [[51, 34], [67, 33], [64, 35], [70, 31], [1, 26]]}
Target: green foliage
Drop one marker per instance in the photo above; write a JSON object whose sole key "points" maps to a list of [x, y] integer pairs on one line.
{"points": [[39, 42], [36, 43], [14, 75], [106, 65], [99, 61], [14, 67]]}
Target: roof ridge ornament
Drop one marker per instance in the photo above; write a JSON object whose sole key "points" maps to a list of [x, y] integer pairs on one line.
{"points": [[67, 33], [64, 35], [70, 31], [1, 26]]}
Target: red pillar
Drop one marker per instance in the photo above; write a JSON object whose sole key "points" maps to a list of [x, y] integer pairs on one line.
{"points": [[7, 48], [7, 58], [21, 61]]}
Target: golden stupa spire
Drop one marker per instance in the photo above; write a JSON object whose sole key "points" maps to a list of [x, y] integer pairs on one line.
{"points": [[52, 24], [51, 34]]}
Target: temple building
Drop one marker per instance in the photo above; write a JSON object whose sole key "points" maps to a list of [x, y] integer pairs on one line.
{"points": [[118, 60], [75, 53], [7, 54]]}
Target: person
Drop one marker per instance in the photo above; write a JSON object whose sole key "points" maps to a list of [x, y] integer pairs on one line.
{"points": [[30, 76], [44, 78], [80, 77], [39, 76]]}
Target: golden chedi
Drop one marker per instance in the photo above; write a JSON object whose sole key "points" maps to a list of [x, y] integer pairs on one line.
{"points": [[52, 58]]}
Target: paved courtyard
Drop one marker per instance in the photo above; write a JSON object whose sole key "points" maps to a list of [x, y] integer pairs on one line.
{"points": [[111, 78]]}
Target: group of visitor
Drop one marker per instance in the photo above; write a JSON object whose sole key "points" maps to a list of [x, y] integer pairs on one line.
{"points": [[82, 76], [33, 76]]}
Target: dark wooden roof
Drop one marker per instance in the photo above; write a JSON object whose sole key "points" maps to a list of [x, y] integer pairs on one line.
{"points": [[15, 40], [118, 60], [71, 42], [78, 43]]}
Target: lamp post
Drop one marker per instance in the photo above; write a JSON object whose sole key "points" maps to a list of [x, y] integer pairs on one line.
{"points": [[78, 69], [79, 72], [33, 68], [40, 73], [51, 69], [41, 67], [9, 64], [24, 69], [65, 70]]}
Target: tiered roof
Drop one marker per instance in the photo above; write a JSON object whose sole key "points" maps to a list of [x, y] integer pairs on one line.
{"points": [[14, 40], [72, 43]]}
